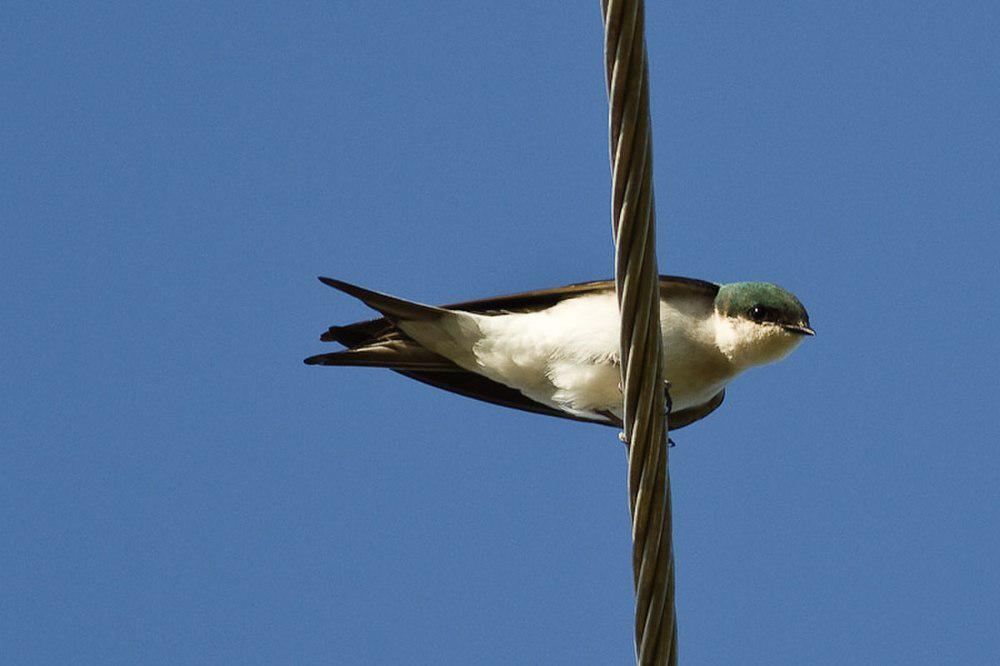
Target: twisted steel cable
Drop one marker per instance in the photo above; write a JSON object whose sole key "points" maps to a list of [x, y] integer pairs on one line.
{"points": [[637, 286]]}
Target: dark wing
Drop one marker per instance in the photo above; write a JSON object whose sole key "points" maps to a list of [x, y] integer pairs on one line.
{"points": [[528, 301], [476, 386], [686, 417]]}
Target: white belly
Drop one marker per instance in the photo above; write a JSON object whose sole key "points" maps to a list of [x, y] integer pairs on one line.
{"points": [[567, 356]]}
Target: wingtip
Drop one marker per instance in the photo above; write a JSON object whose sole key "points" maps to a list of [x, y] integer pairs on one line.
{"points": [[347, 287], [390, 306], [312, 360]]}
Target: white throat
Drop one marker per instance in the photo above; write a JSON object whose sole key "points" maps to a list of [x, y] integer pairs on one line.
{"points": [[746, 343]]}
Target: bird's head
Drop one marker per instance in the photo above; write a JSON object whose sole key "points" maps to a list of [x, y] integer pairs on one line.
{"points": [[758, 322]]}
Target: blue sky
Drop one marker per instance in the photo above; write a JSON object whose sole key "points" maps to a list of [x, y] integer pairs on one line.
{"points": [[178, 488]]}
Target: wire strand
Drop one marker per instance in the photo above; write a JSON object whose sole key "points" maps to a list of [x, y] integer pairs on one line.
{"points": [[637, 286]]}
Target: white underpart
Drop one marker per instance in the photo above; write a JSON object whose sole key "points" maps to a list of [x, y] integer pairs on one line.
{"points": [[566, 356], [747, 343]]}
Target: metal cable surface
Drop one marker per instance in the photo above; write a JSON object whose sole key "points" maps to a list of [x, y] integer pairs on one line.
{"points": [[637, 286]]}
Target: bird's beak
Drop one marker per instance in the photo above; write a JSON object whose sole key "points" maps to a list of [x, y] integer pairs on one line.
{"points": [[799, 330]]}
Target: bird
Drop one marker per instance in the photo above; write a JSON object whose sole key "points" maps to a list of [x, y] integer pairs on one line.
{"points": [[557, 351]]}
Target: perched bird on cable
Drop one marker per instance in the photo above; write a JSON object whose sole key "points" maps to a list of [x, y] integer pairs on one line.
{"points": [[556, 351]]}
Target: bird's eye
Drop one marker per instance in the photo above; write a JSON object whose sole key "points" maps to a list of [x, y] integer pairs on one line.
{"points": [[757, 313]]}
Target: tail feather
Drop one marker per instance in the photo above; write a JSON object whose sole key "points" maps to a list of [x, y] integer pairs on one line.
{"points": [[397, 357], [358, 333], [379, 342]]}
